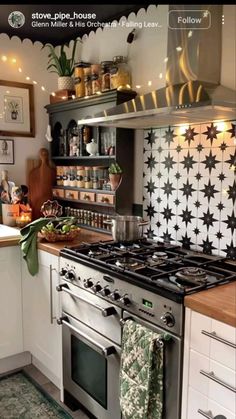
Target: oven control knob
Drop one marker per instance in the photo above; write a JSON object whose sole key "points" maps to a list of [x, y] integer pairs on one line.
{"points": [[88, 283], [168, 319], [115, 296], [96, 288], [63, 271], [70, 275], [125, 300], [105, 292]]}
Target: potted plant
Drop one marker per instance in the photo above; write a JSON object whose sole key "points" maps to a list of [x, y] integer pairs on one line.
{"points": [[13, 108], [62, 65], [115, 176]]}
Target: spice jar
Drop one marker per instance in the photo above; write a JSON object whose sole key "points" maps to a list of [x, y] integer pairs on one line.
{"points": [[73, 181], [105, 74], [87, 178], [96, 78], [59, 177], [120, 74], [66, 176], [87, 81], [80, 176]]}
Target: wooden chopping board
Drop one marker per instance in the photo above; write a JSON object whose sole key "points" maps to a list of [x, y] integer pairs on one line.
{"points": [[41, 181]]}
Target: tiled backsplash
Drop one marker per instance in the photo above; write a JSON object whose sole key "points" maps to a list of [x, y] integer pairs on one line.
{"points": [[190, 186]]}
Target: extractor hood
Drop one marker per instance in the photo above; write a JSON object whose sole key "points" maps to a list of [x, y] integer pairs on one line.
{"points": [[193, 93]]}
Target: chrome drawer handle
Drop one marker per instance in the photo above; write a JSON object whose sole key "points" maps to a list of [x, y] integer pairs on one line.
{"points": [[207, 415], [106, 312], [212, 376], [105, 351], [213, 335]]}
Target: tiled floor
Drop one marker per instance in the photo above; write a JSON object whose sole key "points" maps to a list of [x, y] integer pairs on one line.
{"points": [[52, 390]]}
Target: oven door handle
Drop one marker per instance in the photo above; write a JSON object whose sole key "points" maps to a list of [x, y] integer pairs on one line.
{"points": [[106, 312], [105, 351]]}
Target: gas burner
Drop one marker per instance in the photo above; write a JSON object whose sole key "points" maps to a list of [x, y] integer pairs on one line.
{"points": [[95, 253], [128, 263], [159, 255], [192, 273]]}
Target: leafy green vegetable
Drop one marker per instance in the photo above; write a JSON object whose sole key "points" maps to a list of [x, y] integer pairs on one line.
{"points": [[115, 169]]}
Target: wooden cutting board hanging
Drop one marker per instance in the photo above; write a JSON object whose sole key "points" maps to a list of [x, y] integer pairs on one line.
{"points": [[41, 181]]}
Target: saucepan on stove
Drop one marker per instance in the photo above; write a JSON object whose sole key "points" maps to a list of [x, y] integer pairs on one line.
{"points": [[126, 227]]}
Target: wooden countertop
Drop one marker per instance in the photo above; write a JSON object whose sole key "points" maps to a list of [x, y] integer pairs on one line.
{"points": [[87, 236], [9, 242], [218, 303]]}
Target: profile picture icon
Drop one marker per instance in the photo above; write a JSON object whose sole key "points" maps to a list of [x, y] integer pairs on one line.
{"points": [[16, 19]]}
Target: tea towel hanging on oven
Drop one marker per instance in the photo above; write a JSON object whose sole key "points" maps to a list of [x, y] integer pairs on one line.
{"points": [[141, 374]]}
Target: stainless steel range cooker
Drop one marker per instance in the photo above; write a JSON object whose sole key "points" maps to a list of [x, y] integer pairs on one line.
{"points": [[105, 283]]}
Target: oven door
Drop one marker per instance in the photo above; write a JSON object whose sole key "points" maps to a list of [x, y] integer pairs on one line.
{"points": [[172, 369], [91, 365]]}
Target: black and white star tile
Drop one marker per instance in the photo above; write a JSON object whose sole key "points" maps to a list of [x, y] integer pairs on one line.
{"points": [[190, 186]]}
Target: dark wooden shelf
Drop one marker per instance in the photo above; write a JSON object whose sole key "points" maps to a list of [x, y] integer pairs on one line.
{"points": [[82, 157], [99, 204], [102, 191]]}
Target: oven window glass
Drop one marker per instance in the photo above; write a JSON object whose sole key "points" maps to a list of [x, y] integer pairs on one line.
{"points": [[89, 370]]}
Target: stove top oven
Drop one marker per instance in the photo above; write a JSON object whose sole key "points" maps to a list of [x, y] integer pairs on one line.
{"points": [[104, 284]]}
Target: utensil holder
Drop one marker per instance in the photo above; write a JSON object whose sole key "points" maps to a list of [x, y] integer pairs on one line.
{"points": [[9, 214]]}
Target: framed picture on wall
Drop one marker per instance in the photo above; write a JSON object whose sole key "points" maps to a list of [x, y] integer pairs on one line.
{"points": [[6, 151], [17, 109]]}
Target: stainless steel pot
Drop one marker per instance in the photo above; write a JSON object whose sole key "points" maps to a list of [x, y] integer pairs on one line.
{"points": [[126, 227]]}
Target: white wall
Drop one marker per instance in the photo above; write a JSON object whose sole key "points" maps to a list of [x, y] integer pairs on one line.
{"points": [[33, 62], [228, 63]]}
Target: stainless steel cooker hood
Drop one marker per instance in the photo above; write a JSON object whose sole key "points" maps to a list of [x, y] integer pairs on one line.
{"points": [[193, 93]]}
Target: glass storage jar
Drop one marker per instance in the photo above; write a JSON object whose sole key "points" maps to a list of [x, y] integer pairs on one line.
{"points": [[96, 78], [105, 75], [120, 74], [73, 181], [79, 80], [87, 81]]}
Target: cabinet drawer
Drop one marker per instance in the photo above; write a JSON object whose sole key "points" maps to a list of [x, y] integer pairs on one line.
{"points": [[71, 194], [221, 351], [59, 193], [196, 401], [216, 410], [198, 362], [198, 341], [217, 391], [87, 196], [105, 198]]}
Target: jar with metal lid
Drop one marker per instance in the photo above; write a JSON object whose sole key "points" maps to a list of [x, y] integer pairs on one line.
{"points": [[73, 181], [88, 178], [80, 176], [105, 74], [87, 81], [79, 78], [96, 78], [120, 74]]}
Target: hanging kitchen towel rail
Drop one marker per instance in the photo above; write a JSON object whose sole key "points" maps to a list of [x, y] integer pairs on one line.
{"points": [[141, 373]]}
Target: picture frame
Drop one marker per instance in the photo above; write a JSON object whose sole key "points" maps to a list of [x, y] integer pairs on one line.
{"points": [[7, 151], [17, 109]]}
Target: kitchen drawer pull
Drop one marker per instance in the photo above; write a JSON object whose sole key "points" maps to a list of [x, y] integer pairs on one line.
{"points": [[213, 377], [213, 335], [207, 415], [106, 312], [106, 351], [51, 269]]}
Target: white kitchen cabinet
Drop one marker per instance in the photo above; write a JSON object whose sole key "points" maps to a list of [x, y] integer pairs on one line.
{"points": [[42, 335], [11, 336], [209, 376]]}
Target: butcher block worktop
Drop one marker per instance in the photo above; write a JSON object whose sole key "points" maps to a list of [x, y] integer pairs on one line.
{"points": [[87, 236], [218, 303]]}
